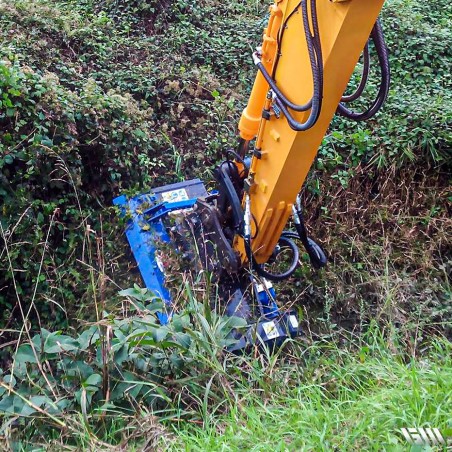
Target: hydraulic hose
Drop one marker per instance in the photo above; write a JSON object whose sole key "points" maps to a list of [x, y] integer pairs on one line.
{"points": [[363, 82], [272, 276], [316, 254], [278, 93], [315, 58], [383, 59]]}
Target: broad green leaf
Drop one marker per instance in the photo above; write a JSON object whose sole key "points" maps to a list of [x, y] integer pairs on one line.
{"points": [[121, 354], [8, 159], [76, 369], [236, 322], [88, 337], [10, 380], [8, 404], [183, 339], [160, 333], [93, 380], [57, 343], [25, 354]]}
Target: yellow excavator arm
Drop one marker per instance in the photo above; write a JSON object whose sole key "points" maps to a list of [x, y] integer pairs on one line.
{"points": [[308, 55]]}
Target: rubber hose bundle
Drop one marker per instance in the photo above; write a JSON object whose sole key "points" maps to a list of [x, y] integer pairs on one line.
{"points": [[316, 62], [383, 60]]}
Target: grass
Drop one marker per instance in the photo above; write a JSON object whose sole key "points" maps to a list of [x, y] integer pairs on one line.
{"points": [[339, 401], [316, 396]]}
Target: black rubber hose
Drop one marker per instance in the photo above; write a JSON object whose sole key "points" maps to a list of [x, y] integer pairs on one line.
{"points": [[242, 148], [271, 276], [365, 76], [271, 79], [314, 52], [315, 252], [315, 57], [278, 92], [236, 156], [383, 59], [317, 48]]}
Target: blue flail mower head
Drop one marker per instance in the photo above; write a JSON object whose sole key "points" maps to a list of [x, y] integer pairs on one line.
{"points": [[146, 230]]}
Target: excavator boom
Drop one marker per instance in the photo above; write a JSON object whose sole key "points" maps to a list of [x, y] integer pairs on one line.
{"points": [[286, 146]]}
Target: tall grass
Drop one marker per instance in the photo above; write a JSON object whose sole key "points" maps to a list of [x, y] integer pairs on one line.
{"points": [[307, 396], [329, 398]]}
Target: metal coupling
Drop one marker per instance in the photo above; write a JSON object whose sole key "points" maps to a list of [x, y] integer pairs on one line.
{"points": [[298, 203], [257, 55], [247, 216], [296, 217]]}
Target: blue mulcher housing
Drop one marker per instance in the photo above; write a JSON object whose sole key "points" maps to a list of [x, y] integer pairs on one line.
{"points": [[146, 229]]}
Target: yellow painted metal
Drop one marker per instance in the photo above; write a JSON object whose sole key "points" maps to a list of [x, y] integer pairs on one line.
{"points": [[252, 114], [344, 28]]}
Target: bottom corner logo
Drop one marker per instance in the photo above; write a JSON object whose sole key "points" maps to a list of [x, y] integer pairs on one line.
{"points": [[423, 436]]}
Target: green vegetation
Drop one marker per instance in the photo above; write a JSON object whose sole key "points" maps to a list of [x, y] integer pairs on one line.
{"points": [[310, 397], [98, 98], [338, 401]]}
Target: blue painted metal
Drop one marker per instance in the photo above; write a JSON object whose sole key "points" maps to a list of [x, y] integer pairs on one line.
{"points": [[266, 297], [272, 332], [145, 229], [161, 210]]}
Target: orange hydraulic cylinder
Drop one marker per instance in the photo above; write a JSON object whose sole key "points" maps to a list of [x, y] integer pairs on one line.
{"points": [[252, 114]]}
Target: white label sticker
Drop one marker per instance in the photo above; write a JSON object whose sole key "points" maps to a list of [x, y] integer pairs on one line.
{"points": [[293, 321], [268, 284], [160, 264], [175, 195], [270, 330]]}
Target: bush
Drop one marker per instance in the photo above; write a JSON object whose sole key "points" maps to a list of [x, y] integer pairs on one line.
{"points": [[414, 125], [117, 365], [62, 155]]}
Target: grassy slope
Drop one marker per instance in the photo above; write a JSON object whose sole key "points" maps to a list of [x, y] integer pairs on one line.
{"points": [[390, 252], [345, 403], [170, 113]]}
